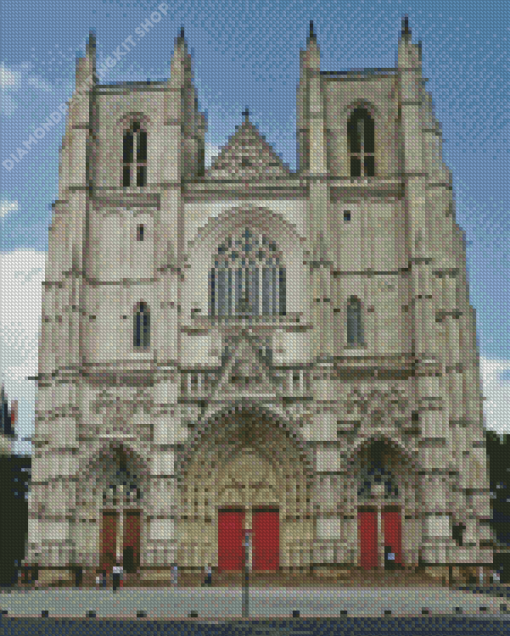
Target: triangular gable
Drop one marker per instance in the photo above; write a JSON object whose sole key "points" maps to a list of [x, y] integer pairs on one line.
{"points": [[247, 155], [245, 375]]}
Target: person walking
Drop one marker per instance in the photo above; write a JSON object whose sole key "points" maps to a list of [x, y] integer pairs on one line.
{"points": [[174, 574], [98, 580], [35, 575], [208, 575], [116, 575], [103, 581]]}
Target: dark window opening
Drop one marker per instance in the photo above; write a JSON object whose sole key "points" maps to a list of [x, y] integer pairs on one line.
{"points": [[141, 327], [141, 150], [354, 322], [369, 166], [360, 143], [355, 167], [126, 177], [141, 176], [134, 145], [458, 533]]}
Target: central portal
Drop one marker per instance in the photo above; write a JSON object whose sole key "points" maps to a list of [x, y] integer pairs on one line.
{"points": [[265, 539], [244, 474]]}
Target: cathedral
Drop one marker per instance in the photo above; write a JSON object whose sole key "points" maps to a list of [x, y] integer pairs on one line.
{"points": [[242, 350]]}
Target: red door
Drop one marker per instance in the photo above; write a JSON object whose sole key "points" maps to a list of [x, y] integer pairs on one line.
{"points": [[266, 540], [393, 532], [108, 539], [230, 540], [131, 550], [367, 538]]}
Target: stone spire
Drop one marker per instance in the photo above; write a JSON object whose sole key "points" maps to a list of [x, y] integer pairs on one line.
{"points": [[406, 31], [409, 54], [312, 35]]}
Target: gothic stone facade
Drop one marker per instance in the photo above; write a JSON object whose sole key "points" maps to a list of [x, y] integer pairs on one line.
{"points": [[246, 347]]}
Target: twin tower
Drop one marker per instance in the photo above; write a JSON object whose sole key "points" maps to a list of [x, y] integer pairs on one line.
{"points": [[243, 348]]}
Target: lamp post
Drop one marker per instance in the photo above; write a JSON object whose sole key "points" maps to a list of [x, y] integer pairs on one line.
{"points": [[246, 578]]}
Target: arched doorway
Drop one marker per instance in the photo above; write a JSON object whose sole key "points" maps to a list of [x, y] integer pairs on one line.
{"points": [[112, 494], [248, 498], [245, 473], [385, 491], [120, 528]]}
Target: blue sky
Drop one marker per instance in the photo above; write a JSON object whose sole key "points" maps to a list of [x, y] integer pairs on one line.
{"points": [[247, 53]]}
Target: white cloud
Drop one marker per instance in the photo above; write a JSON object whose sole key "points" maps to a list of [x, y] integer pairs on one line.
{"points": [[496, 390], [15, 80], [21, 274], [7, 206], [210, 153], [8, 78]]}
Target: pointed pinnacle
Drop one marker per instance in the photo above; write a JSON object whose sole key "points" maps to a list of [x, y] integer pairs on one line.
{"points": [[312, 34], [246, 113], [182, 33], [405, 26]]}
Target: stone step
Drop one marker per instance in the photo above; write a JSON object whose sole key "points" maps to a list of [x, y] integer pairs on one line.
{"points": [[354, 578]]}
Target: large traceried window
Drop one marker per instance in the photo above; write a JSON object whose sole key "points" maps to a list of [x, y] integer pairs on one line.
{"points": [[248, 277], [354, 322], [360, 143], [141, 327], [134, 156]]}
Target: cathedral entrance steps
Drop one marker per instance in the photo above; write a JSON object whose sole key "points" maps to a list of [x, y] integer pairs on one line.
{"points": [[337, 578]]}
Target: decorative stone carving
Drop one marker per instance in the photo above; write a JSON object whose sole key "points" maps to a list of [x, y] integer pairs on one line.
{"points": [[245, 374], [378, 407]]}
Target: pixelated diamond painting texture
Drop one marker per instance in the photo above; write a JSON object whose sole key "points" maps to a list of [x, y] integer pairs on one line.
{"points": [[254, 307]]}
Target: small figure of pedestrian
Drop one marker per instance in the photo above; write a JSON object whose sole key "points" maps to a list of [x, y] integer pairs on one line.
{"points": [[389, 558], [116, 575], [35, 575], [78, 574], [98, 580], [174, 574], [208, 575], [103, 581]]}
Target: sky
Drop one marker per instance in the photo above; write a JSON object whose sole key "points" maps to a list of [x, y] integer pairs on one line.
{"points": [[247, 54]]}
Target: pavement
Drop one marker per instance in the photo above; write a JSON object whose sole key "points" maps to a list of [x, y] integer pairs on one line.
{"points": [[222, 603]]}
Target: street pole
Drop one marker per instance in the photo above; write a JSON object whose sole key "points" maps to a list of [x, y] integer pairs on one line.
{"points": [[246, 578]]}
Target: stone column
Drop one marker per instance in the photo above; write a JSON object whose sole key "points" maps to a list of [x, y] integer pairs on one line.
{"points": [[428, 367], [119, 539], [161, 545]]}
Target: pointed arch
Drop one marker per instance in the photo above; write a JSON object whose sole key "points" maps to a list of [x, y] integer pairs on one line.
{"points": [[364, 443], [109, 451], [203, 248], [134, 151], [231, 414], [247, 276], [361, 142], [141, 326], [355, 336]]}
